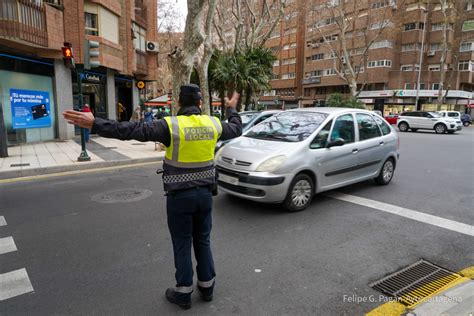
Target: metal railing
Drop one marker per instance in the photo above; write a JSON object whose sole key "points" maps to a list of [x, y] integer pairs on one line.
{"points": [[24, 20], [140, 58]]}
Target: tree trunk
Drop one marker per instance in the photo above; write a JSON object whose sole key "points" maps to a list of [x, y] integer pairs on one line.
{"points": [[248, 95]]}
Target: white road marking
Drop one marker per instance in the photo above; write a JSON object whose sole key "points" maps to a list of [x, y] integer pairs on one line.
{"points": [[3, 222], [14, 283], [404, 212], [7, 244]]}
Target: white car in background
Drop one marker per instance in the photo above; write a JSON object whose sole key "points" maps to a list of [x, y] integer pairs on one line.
{"points": [[428, 120]]}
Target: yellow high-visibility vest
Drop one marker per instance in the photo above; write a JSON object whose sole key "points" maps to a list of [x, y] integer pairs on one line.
{"points": [[193, 140]]}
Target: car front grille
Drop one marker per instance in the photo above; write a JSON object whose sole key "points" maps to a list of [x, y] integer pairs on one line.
{"points": [[241, 189], [236, 162]]}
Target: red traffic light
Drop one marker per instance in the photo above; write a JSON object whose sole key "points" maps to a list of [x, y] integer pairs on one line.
{"points": [[67, 52]]}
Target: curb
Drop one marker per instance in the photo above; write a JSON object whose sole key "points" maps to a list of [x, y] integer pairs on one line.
{"points": [[4, 175]]}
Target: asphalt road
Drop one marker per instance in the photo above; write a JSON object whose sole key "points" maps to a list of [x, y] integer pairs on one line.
{"points": [[85, 257]]}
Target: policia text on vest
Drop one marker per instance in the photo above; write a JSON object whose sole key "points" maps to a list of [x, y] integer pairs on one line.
{"points": [[189, 175]]}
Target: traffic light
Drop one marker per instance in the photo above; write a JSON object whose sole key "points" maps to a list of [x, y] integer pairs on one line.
{"points": [[68, 56], [91, 50]]}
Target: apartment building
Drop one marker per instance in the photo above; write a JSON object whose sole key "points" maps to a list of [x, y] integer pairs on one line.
{"points": [[36, 86], [390, 45]]}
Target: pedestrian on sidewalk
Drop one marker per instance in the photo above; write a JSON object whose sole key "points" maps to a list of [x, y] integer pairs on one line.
{"points": [[148, 116], [86, 109], [189, 178], [136, 115]]}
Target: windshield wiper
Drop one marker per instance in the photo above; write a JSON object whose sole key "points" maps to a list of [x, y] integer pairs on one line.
{"points": [[269, 136]]}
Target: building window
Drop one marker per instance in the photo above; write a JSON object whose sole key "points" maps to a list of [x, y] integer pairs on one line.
{"points": [[329, 72], [409, 26], [407, 86], [274, 77], [417, 6], [289, 75], [406, 68], [468, 26], [379, 63], [380, 4], [314, 73], [316, 57], [139, 39], [307, 92], [411, 47], [465, 65], [434, 67], [289, 61], [382, 44], [439, 27], [288, 46], [469, 5], [435, 47], [466, 47], [381, 25], [276, 63], [91, 23], [435, 86]]}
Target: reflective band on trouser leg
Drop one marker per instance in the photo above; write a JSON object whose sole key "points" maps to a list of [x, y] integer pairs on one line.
{"points": [[175, 136], [206, 283], [184, 289], [217, 126]]}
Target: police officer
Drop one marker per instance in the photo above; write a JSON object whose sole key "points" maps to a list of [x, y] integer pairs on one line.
{"points": [[189, 178]]}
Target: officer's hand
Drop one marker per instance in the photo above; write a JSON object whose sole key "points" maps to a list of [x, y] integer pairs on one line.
{"points": [[82, 119], [232, 103]]}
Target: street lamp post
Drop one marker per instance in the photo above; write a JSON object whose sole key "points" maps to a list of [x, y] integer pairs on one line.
{"points": [[421, 61]]}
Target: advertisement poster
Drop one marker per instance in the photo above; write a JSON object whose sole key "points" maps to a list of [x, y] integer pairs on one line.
{"points": [[30, 109]]}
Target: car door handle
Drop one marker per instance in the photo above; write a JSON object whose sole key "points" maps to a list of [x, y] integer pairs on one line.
{"points": [[355, 151], [382, 143]]}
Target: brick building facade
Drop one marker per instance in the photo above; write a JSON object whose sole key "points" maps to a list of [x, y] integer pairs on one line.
{"points": [[387, 72], [31, 36]]}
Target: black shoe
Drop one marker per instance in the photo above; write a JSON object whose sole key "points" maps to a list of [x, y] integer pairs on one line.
{"points": [[206, 293], [181, 299]]}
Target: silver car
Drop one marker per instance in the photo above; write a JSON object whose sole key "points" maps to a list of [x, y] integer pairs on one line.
{"points": [[294, 154]]}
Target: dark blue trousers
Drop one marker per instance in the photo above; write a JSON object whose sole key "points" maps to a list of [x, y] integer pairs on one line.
{"points": [[190, 224]]}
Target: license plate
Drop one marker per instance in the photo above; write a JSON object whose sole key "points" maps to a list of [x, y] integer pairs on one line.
{"points": [[228, 179]]}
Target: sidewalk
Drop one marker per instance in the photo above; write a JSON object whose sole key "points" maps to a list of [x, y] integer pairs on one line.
{"points": [[59, 156]]}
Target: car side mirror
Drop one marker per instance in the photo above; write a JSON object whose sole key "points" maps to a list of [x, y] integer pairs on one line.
{"points": [[335, 143]]}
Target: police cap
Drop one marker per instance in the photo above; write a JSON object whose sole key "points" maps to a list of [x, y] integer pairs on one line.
{"points": [[190, 91]]}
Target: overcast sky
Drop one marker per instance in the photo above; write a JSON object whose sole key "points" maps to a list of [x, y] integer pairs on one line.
{"points": [[183, 8]]}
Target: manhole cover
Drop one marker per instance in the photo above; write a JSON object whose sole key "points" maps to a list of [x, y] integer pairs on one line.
{"points": [[414, 283], [122, 196]]}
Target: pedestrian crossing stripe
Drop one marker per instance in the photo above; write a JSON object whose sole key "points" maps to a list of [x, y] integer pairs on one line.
{"points": [[3, 222], [14, 283]]}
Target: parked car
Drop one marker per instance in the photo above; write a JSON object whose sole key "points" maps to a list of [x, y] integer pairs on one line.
{"points": [[429, 121], [293, 155], [392, 119], [249, 120], [466, 120]]}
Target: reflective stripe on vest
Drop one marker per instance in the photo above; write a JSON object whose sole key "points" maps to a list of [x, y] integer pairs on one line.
{"points": [[193, 140]]}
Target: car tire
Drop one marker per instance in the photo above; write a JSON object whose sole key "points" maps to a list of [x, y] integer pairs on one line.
{"points": [[403, 127], [466, 124], [386, 172], [440, 128], [414, 129], [300, 193]]}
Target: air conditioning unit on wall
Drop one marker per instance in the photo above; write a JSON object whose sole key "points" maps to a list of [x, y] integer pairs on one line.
{"points": [[152, 47], [431, 53]]}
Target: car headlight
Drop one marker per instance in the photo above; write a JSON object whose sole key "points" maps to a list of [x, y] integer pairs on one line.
{"points": [[271, 164], [218, 154]]}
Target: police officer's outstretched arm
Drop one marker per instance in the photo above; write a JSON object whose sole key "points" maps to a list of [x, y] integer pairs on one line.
{"points": [[232, 128], [156, 131]]}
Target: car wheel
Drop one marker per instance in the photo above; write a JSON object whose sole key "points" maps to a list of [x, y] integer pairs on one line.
{"points": [[386, 173], [440, 128], [414, 129], [299, 194], [403, 127], [466, 124]]}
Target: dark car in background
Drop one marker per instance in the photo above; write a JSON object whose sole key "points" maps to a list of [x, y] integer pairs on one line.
{"points": [[466, 120]]}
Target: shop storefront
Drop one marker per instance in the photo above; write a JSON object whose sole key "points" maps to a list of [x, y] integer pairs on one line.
{"points": [[27, 99], [124, 96], [93, 92]]}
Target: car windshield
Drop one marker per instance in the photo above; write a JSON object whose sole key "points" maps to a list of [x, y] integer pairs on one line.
{"points": [[247, 117], [434, 114], [292, 126]]}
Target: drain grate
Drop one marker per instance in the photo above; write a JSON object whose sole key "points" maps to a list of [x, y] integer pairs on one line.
{"points": [[121, 196], [19, 165], [413, 284]]}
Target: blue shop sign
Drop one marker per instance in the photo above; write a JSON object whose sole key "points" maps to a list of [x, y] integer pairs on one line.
{"points": [[30, 109]]}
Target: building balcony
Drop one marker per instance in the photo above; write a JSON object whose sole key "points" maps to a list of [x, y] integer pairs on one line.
{"points": [[141, 66], [24, 21]]}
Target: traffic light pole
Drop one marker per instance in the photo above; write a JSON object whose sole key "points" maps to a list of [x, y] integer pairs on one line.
{"points": [[3, 136], [83, 156]]}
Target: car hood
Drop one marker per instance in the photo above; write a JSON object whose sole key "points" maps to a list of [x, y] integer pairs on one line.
{"points": [[245, 153]]}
